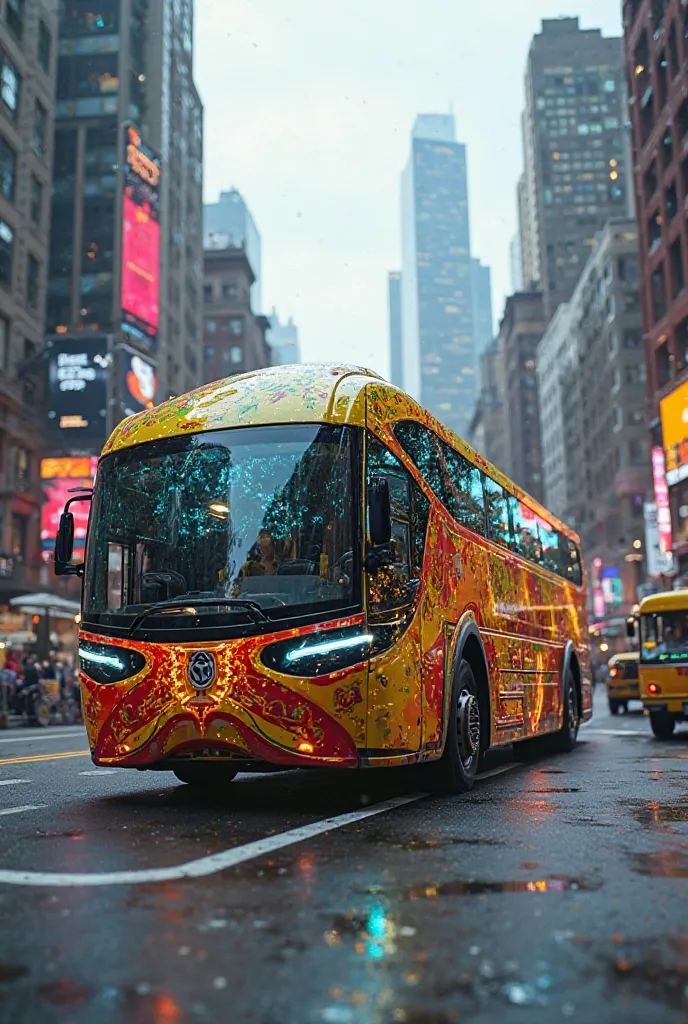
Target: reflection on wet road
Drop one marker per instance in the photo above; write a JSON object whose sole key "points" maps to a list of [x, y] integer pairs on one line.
{"points": [[556, 889]]}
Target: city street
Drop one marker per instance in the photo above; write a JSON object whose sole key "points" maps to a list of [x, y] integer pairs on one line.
{"points": [[555, 890]]}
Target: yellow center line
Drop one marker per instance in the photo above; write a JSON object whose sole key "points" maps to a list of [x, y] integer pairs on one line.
{"points": [[44, 757]]}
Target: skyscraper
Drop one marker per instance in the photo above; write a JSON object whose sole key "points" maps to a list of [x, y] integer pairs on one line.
{"points": [[283, 341], [126, 262], [229, 222], [28, 45], [575, 153], [438, 350], [481, 297], [396, 375]]}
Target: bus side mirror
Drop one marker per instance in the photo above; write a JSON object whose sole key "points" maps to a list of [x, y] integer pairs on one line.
{"points": [[64, 542], [630, 629], [380, 512]]}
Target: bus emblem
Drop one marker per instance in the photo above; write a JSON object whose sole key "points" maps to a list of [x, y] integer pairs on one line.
{"points": [[201, 670]]}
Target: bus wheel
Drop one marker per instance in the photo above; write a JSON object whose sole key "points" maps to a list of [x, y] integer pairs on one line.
{"points": [[614, 706], [202, 773], [455, 772], [662, 724], [564, 741]]}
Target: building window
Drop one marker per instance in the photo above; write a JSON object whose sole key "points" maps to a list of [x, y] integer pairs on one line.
{"points": [[676, 261], [207, 292], [8, 166], [236, 327], [635, 374], [44, 46], [632, 339], [658, 292], [211, 326], [18, 535], [4, 343], [10, 84], [6, 252], [663, 364], [229, 291], [14, 15], [40, 128], [618, 417], [209, 353], [236, 354], [36, 201], [638, 451], [32, 282]]}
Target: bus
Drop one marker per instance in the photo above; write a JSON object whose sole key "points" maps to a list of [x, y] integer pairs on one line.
{"points": [[663, 659], [301, 567]]}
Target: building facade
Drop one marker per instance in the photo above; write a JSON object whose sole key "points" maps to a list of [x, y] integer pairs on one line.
{"points": [[234, 337], [28, 45], [481, 297], [396, 370], [657, 71], [486, 431], [283, 341], [229, 222], [592, 384], [520, 331], [126, 253], [437, 310], [575, 153]]}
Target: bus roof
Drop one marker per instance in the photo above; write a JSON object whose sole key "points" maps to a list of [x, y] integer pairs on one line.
{"points": [[302, 393], [670, 601]]}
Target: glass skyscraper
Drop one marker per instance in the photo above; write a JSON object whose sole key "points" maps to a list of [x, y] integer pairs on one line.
{"points": [[394, 298], [438, 348]]}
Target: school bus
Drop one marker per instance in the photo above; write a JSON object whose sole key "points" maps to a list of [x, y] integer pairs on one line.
{"points": [[301, 567], [664, 659]]}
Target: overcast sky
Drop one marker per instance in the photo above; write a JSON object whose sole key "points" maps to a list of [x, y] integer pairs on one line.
{"points": [[308, 111]]}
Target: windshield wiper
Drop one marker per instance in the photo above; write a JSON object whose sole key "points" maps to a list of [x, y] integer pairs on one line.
{"points": [[189, 604]]}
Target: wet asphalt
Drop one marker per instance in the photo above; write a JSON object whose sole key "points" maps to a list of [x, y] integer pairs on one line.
{"points": [[556, 890]]}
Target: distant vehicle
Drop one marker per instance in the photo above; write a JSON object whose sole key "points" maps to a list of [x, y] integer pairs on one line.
{"points": [[622, 681], [664, 659], [301, 567]]}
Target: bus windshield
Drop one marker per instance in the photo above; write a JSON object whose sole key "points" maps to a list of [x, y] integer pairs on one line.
{"points": [[262, 516], [664, 637]]}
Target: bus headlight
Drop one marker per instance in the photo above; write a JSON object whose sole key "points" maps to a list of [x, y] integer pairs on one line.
{"points": [[319, 654], [104, 663]]}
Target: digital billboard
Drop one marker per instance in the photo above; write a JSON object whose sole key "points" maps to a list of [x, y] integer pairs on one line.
{"points": [[78, 371], [138, 383], [60, 477], [674, 414], [141, 240]]}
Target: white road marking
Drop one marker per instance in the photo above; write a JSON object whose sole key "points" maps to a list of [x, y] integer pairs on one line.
{"points": [[62, 734], [491, 772], [104, 771], [205, 865], [13, 782], [617, 732], [20, 810]]}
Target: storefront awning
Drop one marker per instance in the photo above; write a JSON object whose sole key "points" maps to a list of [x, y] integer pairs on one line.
{"points": [[39, 604]]}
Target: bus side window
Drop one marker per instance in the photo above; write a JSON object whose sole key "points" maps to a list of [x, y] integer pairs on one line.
{"points": [[550, 558], [525, 539], [570, 561], [390, 587], [497, 512], [453, 479]]}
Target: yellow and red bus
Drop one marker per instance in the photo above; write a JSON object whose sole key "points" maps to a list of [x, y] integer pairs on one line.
{"points": [[301, 567]]}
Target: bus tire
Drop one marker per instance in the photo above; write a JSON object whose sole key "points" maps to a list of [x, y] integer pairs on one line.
{"points": [[662, 724], [565, 740], [614, 706], [202, 773], [456, 770]]}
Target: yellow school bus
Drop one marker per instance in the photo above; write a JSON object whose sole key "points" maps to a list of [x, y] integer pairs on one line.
{"points": [[301, 567], [664, 659], [622, 682]]}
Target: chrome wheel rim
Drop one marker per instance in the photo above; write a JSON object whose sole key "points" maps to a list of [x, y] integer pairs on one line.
{"points": [[468, 727]]}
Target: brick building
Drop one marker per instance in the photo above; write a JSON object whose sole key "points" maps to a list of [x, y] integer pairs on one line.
{"points": [[233, 335]]}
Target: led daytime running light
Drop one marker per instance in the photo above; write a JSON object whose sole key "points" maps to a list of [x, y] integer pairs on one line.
{"points": [[330, 645], [102, 659]]}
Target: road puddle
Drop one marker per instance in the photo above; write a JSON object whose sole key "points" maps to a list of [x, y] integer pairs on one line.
{"points": [[657, 973], [10, 972], [475, 887], [557, 789], [438, 844], [650, 813], [661, 864], [65, 993], [70, 833]]}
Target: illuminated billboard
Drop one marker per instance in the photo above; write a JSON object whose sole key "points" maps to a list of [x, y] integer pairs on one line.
{"points": [[674, 413], [78, 371], [141, 241], [138, 383], [60, 477]]}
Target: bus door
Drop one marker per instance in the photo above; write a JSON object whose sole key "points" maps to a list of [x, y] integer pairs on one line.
{"points": [[392, 594]]}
